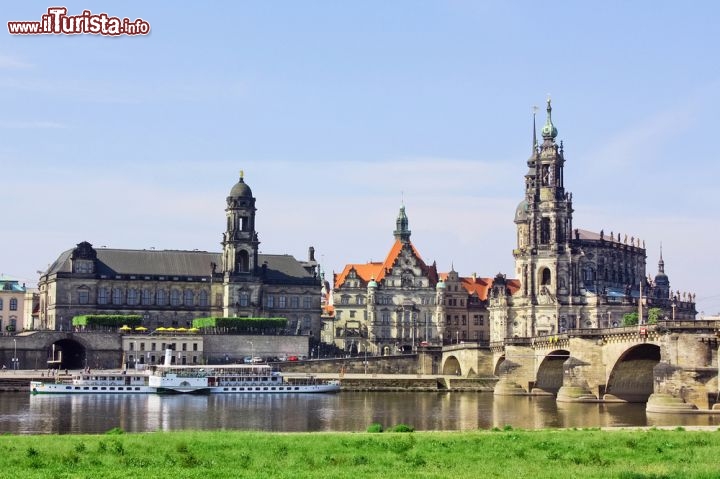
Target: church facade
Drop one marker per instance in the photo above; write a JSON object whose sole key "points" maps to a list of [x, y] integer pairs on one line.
{"points": [[170, 288], [569, 277]]}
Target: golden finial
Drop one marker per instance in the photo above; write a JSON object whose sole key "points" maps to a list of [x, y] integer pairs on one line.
{"points": [[241, 174]]}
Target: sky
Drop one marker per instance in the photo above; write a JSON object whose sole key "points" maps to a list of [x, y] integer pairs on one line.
{"points": [[340, 112]]}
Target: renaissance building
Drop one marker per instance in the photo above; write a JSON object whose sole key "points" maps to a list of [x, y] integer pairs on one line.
{"points": [[170, 288]]}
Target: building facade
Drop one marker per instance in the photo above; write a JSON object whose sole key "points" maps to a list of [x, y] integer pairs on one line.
{"points": [[568, 277], [171, 288], [402, 303], [12, 305]]}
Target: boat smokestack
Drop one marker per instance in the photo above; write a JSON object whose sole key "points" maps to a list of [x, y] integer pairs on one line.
{"points": [[168, 357]]}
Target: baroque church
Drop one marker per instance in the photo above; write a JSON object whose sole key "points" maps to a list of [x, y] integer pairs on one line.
{"points": [[569, 277], [566, 278], [171, 288]]}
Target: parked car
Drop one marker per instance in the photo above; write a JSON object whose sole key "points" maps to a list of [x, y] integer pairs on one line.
{"points": [[283, 358], [292, 358], [247, 360], [257, 360]]}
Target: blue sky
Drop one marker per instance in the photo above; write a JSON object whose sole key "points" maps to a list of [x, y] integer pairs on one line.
{"points": [[339, 111]]}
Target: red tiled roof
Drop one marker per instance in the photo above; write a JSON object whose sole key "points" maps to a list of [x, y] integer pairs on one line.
{"points": [[377, 271]]}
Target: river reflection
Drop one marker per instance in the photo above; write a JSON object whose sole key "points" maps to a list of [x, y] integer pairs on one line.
{"points": [[347, 411]]}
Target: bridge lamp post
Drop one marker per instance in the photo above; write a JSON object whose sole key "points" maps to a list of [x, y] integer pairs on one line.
{"points": [[15, 361]]}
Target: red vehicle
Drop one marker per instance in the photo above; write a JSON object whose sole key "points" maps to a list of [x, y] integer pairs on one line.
{"points": [[292, 358]]}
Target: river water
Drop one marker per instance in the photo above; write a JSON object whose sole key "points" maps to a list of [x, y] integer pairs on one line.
{"points": [[22, 413]]}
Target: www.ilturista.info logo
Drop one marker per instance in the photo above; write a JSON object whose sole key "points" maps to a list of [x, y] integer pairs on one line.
{"points": [[58, 22]]}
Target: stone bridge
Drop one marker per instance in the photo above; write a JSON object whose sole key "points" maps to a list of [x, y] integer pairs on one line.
{"points": [[673, 365]]}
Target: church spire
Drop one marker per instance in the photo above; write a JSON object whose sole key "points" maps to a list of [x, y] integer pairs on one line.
{"points": [[402, 232], [661, 263], [535, 144]]}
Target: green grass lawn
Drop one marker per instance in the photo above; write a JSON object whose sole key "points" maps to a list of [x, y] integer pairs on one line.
{"points": [[627, 454]]}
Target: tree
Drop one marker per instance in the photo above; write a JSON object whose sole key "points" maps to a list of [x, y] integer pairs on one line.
{"points": [[654, 314], [630, 319]]}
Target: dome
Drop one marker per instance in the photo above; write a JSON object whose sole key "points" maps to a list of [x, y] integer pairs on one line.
{"points": [[440, 285], [521, 212], [372, 283], [241, 190]]}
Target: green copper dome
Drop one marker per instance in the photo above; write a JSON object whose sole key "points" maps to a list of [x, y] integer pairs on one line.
{"points": [[440, 285], [372, 283], [549, 131]]}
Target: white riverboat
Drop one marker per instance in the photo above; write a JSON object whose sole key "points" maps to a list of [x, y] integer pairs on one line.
{"points": [[234, 379], [183, 379], [99, 382]]}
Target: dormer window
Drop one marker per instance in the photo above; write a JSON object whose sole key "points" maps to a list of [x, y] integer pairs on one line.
{"points": [[83, 266]]}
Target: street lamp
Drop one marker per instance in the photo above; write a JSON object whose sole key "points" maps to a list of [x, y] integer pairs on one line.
{"points": [[15, 361], [673, 305]]}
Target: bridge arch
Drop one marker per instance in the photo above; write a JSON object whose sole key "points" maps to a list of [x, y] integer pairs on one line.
{"points": [[498, 365], [631, 379], [451, 366], [549, 377]]}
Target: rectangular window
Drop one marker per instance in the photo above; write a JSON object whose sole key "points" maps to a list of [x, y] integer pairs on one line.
{"points": [[83, 296], [161, 297], [244, 299], [307, 302], [195, 347], [152, 346], [184, 346], [142, 346], [294, 302], [282, 302], [464, 321], [352, 314], [270, 302]]}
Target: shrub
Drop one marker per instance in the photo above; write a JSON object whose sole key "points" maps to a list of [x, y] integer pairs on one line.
{"points": [[375, 427], [403, 428]]}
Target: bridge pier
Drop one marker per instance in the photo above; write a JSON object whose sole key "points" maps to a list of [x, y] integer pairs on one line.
{"points": [[517, 372], [686, 378], [583, 372]]}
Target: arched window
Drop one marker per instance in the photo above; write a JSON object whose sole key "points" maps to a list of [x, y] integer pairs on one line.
{"points": [[243, 262], [132, 297], [189, 297], [117, 296], [545, 278], [203, 298], [175, 297], [146, 296]]}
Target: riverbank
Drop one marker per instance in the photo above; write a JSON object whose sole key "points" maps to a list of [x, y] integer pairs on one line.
{"points": [[628, 453]]}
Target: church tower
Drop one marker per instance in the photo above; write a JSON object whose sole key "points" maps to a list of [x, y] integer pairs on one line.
{"points": [[240, 241], [544, 224]]}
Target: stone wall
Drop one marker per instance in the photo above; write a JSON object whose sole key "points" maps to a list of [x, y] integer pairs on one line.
{"points": [[232, 348]]}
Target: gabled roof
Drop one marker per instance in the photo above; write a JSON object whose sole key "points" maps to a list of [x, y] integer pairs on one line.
{"points": [[377, 271]]}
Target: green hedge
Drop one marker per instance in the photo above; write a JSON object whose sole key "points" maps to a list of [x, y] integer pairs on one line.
{"points": [[241, 324], [107, 320]]}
